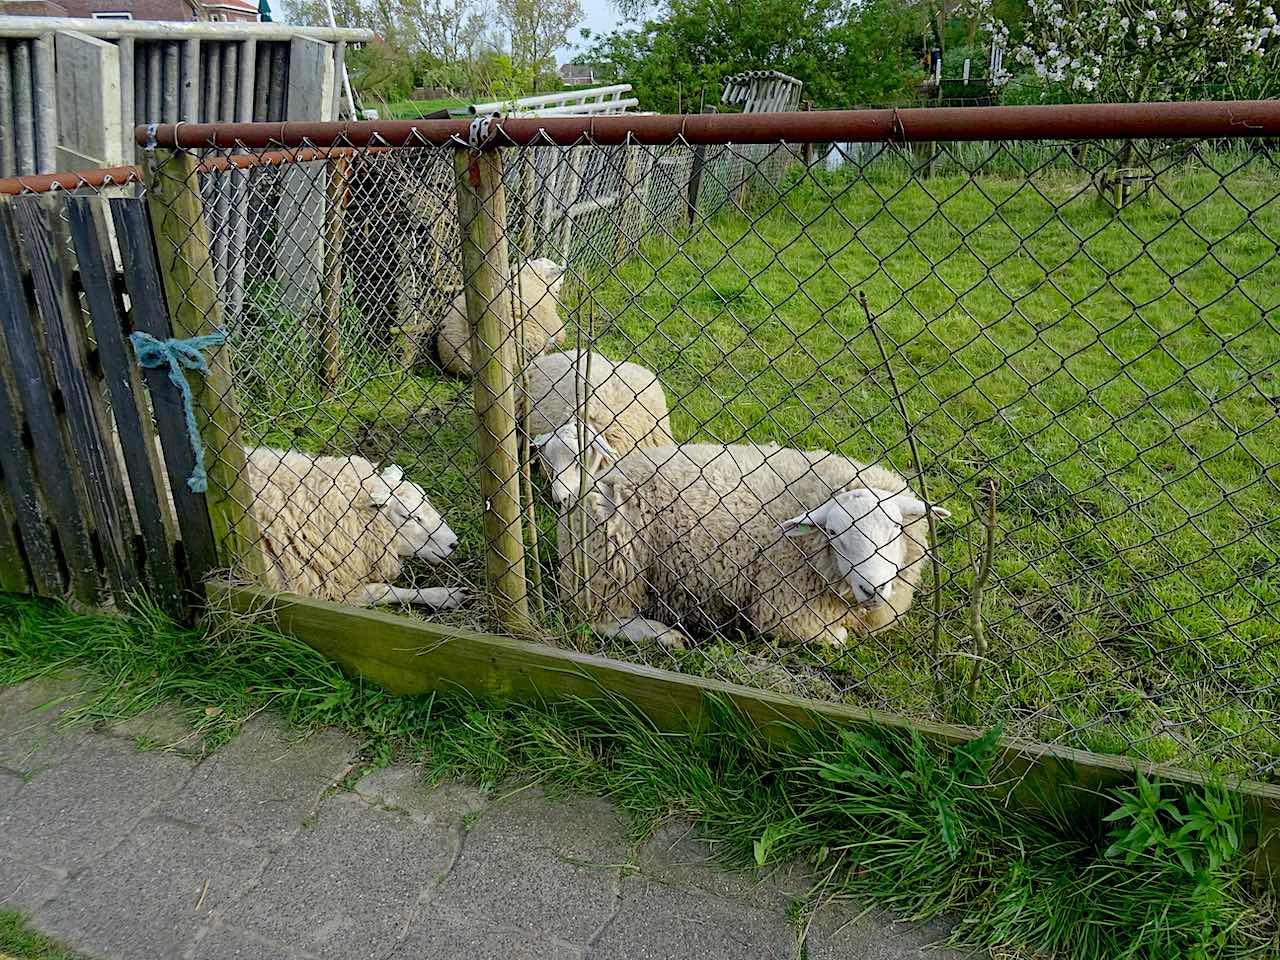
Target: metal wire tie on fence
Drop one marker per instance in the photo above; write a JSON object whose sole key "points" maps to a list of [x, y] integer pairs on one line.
{"points": [[180, 355]]}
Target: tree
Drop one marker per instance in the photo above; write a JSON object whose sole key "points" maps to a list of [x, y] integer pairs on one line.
{"points": [[537, 28], [845, 53], [1136, 50], [444, 29]]}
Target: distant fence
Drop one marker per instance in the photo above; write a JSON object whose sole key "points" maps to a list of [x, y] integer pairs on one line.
{"points": [[71, 90]]}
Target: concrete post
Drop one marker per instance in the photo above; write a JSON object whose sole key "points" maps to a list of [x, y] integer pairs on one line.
{"points": [[89, 113]]}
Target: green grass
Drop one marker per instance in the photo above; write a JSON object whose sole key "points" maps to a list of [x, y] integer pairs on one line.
{"points": [[1110, 370], [20, 942], [886, 819], [413, 109]]}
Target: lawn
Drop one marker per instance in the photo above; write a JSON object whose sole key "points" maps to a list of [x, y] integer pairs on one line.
{"points": [[413, 109], [1117, 374]]}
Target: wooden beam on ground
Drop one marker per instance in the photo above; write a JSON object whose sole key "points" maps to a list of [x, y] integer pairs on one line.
{"points": [[410, 657]]}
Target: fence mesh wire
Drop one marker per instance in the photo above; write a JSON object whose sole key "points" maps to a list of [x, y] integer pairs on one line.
{"points": [[1067, 350]]}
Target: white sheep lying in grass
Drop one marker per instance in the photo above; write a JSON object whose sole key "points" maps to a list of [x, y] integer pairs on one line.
{"points": [[626, 408], [336, 528], [536, 314], [802, 546]]}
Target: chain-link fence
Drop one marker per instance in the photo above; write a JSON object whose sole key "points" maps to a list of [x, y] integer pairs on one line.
{"points": [[1056, 362]]}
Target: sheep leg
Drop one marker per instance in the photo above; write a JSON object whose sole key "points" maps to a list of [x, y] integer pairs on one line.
{"points": [[441, 598], [640, 630]]}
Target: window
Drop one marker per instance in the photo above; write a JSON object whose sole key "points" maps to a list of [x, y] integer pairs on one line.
{"points": [[217, 17], [113, 15]]}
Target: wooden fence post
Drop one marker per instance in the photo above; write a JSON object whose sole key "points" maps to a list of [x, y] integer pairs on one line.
{"points": [[191, 296], [696, 166], [331, 278], [486, 277]]}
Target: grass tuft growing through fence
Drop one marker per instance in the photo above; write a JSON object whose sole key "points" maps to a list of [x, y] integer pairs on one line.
{"points": [[887, 818]]}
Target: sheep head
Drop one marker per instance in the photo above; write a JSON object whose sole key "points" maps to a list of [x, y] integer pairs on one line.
{"points": [[559, 452], [550, 272], [420, 530], [863, 529]]}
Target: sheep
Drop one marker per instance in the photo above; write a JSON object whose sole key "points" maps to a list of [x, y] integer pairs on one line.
{"points": [[537, 316], [625, 407], [335, 528], [802, 546]]}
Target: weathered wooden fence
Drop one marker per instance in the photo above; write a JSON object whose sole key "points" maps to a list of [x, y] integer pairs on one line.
{"points": [[85, 514], [71, 90]]}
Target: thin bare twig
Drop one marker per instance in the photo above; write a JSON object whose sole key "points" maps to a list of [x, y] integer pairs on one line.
{"points": [[936, 642], [983, 575]]}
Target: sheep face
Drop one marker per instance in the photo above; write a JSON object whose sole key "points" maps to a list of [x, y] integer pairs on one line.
{"points": [[558, 452], [863, 530], [420, 531]]}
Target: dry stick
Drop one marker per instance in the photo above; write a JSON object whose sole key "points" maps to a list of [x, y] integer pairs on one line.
{"points": [[979, 585], [936, 647], [533, 563]]}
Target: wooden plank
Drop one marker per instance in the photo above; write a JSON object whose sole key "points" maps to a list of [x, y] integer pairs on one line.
{"points": [[13, 570], [36, 390], [186, 271], [147, 313], [41, 229], [88, 226], [23, 492], [486, 275], [410, 657]]}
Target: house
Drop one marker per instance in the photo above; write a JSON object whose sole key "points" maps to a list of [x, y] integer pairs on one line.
{"points": [[233, 11], [579, 74]]}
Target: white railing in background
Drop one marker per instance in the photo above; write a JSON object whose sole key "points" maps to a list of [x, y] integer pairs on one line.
{"points": [[565, 103]]}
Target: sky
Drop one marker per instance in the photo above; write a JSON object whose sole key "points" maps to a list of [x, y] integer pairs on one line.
{"points": [[600, 16]]}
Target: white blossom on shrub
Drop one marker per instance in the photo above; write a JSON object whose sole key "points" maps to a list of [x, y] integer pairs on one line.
{"points": [[1145, 50]]}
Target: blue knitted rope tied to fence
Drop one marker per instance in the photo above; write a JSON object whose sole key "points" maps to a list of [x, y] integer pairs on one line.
{"points": [[180, 356]]}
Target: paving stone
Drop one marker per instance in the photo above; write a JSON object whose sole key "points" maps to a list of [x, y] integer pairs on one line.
{"points": [[676, 854], [434, 937], [31, 738], [9, 784], [225, 943], [261, 786], [164, 728], [72, 812], [403, 788], [346, 885], [148, 896], [844, 930], [25, 886], [539, 864], [656, 921]]}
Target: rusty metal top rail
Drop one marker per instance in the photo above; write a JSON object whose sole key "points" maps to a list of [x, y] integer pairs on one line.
{"points": [[1241, 118]]}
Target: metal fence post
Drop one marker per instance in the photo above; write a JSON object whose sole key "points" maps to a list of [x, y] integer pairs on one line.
{"points": [[486, 277], [194, 308]]}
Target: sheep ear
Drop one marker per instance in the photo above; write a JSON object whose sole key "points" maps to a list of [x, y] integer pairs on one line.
{"points": [[911, 506], [392, 475], [603, 449], [811, 522], [379, 492], [541, 439]]}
